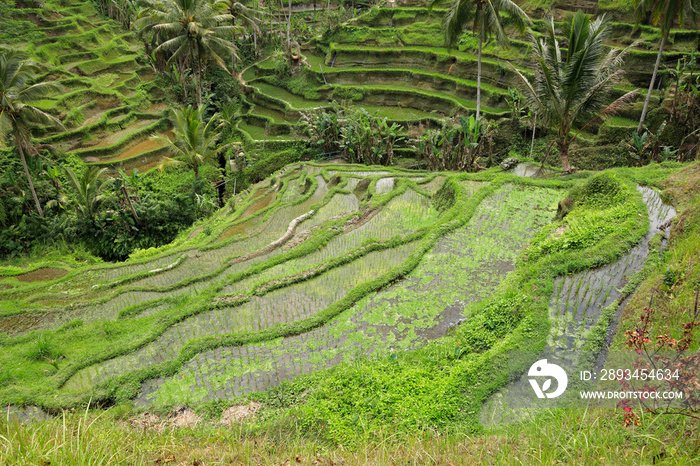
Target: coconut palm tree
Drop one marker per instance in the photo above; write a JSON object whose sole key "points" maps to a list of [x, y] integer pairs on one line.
{"points": [[247, 16], [193, 30], [17, 113], [89, 190], [485, 18], [194, 139], [664, 14], [570, 88]]}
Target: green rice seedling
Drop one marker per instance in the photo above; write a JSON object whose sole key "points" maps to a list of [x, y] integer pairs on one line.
{"points": [[394, 309], [301, 301]]}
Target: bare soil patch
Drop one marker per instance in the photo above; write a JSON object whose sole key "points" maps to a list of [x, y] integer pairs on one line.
{"points": [[40, 275], [238, 413]]}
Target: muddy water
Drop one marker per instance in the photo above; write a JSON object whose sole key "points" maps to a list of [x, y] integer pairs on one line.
{"points": [[40, 275], [384, 185], [22, 323], [242, 228], [531, 170], [119, 135], [576, 305], [24, 415]]}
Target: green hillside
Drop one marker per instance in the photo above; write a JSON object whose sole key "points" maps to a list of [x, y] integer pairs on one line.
{"points": [[312, 252]]}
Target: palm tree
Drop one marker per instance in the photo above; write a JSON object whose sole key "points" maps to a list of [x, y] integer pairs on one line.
{"points": [[194, 139], [570, 88], [247, 16], [485, 17], [89, 190], [664, 14], [193, 30], [17, 113]]}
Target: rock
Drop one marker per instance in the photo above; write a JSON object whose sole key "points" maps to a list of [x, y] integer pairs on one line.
{"points": [[509, 163]]}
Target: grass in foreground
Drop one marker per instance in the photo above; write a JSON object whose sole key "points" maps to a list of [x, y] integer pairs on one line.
{"points": [[577, 436]]}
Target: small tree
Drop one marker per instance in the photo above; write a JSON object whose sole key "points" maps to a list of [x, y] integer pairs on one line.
{"points": [[663, 13], [570, 88], [485, 18], [89, 191], [247, 16], [191, 31], [195, 139], [459, 144]]}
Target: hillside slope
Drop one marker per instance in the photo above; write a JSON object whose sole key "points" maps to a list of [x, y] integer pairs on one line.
{"points": [[109, 104]]}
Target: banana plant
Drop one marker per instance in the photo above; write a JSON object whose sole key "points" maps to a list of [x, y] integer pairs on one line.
{"points": [[392, 136], [638, 147]]}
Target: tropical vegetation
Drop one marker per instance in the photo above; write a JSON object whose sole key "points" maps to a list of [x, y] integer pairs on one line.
{"points": [[569, 89], [18, 93], [319, 233], [664, 14], [486, 20], [194, 139]]}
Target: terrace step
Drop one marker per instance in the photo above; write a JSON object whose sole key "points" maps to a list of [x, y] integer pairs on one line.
{"points": [[416, 98], [430, 59]]}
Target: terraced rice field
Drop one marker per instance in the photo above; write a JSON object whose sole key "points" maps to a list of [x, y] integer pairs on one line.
{"points": [[97, 63], [577, 304], [316, 278], [393, 61]]}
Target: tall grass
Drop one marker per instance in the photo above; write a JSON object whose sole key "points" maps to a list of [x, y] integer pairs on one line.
{"points": [[582, 436]]}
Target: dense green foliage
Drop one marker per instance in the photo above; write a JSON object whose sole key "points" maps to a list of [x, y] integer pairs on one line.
{"points": [[569, 90], [339, 276]]}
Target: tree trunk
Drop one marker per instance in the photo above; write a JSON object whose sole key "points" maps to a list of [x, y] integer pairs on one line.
{"points": [[125, 192], [534, 127], [181, 72], [19, 138], [198, 63], [255, 31], [289, 23], [651, 84], [233, 43], [199, 83], [564, 152], [478, 79]]}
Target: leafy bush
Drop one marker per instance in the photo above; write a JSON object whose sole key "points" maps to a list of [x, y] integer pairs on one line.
{"points": [[444, 198], [225, 88], [268, 163], [115, 234], [347, 93], [498, 318]]}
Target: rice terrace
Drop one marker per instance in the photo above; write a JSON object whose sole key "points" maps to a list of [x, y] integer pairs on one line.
{"points": [[360, 232]]}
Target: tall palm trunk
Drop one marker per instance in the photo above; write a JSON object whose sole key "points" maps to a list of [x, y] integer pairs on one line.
{"points": [[19, 139], [478, 80], [199, 81], [255, 32], [289, 23], [651, 84], [564, 152], [233, 43], [181, 72]]}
